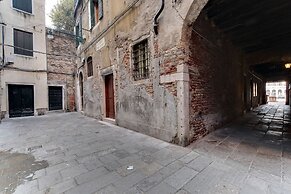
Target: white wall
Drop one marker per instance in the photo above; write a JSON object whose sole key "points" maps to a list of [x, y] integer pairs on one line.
{"points": [[26, 67]]}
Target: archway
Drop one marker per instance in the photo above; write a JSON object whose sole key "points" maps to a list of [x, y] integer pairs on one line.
{"points": [[232, 44]]}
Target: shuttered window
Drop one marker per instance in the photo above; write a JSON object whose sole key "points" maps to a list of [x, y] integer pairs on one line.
{"points": [[24, 5], [23, 43], [78, 31], [96, 11]]}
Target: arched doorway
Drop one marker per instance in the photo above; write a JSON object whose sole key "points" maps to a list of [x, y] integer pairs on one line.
{"points": [[81, 85], [232, 43]]}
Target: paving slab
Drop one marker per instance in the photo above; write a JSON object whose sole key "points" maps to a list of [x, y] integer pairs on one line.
{"points": [[251, 155]]}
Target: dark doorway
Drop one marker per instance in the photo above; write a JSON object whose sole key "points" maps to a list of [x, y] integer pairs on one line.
{"points": [[21, 100], [55, 98], [109, 96], [81, 90]]}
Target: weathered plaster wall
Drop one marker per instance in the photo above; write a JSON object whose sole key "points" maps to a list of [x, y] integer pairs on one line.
{"points": [[26, 70], [195, 85], [149, 106], [34, 23], [37, 79], [61, 65], [216, 70]]}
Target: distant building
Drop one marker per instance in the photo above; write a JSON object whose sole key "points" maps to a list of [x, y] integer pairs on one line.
{"points": [[24, 77], [61, 62], [276, 91], [30, 85]]}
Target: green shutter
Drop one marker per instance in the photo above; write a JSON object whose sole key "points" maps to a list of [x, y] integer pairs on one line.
{"points": [[81, 27], [100, 9], [92, 13], [78, 32]]}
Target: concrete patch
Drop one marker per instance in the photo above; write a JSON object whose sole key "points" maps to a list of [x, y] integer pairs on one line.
{"points": [[17, 168]]}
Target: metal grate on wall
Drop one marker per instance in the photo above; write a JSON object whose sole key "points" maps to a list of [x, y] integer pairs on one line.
{"points": [[141, 60]]}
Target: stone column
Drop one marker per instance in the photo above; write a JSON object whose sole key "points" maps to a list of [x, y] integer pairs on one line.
{"points": [[182, 80], [183, 103]]}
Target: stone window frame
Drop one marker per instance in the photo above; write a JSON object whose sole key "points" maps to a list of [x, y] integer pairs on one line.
{"points": [[148, 59], [90, 69]]}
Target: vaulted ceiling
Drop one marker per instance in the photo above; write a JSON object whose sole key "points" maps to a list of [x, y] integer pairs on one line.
{"points": [[253, 25]]}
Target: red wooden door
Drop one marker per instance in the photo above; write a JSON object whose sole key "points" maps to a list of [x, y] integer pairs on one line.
{"points": [[109, 95]]}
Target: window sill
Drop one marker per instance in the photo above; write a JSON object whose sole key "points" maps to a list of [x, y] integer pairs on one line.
{"points": [[24, 12], [142, 81], [24, 56]]}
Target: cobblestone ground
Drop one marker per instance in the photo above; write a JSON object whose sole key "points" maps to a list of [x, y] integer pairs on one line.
{"points": [[70, 153]]}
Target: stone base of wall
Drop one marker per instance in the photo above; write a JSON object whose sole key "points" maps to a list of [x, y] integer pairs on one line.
{"points": [[41, 111], [3, 114]]}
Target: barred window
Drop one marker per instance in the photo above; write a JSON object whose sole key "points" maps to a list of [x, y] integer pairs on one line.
{"points": [[141, 60], [90, 66]]}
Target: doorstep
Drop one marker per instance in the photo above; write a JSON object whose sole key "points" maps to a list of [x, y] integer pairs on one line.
{"points": [[109, 120]]}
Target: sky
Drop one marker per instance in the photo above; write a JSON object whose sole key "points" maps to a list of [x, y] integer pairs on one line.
{"points": [[49, 4]]}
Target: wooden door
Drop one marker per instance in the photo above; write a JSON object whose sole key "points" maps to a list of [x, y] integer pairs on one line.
{"points": [[55, 98], [109, 96], [21, 100]]}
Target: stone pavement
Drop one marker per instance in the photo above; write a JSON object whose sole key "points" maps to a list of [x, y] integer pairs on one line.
{"points": [[70, 153]]}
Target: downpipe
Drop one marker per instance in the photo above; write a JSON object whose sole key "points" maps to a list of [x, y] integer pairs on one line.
{"points": [[156, 22]]}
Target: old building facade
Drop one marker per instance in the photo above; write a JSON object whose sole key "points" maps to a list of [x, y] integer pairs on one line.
{"points": [[61, 68], [37, 64], [175, 70], [24, 76]]}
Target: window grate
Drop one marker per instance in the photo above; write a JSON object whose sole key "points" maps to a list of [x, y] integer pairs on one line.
{"points": [[141, 60]]}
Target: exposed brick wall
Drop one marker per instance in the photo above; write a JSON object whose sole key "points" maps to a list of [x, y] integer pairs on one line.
{"points": [[172, 58], [216, 83], [62, 65]]}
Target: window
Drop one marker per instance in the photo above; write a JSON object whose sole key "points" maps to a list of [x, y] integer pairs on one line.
{"points": [[274, 93], [90, 66], [23, 43], [141, 60], [24, 5], [255, 89], [280, 93], [78, 32], [268, 92], [96, 12]]}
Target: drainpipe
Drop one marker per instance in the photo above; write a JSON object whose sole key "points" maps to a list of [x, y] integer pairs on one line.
{"points": [[3, 47], [2, 65], [156, 22]]}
